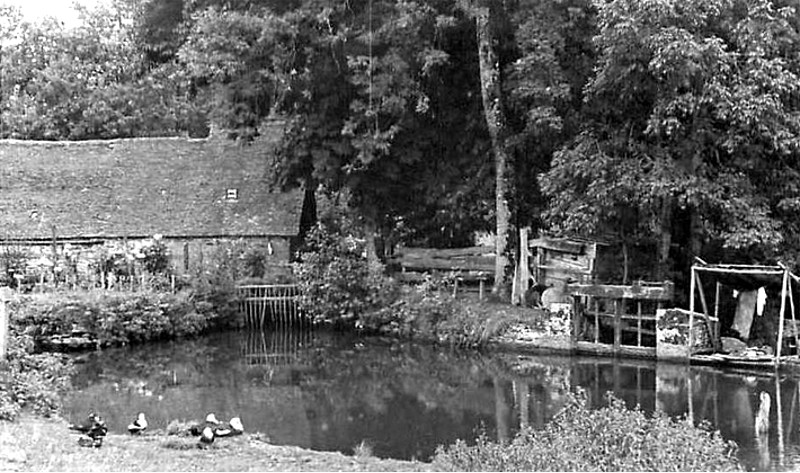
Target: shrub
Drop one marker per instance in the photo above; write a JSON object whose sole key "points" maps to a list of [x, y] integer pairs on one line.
{"points": [[125, 318], [612, 438], [337, 283], [427, 310], [32, 381], [155, 257]]}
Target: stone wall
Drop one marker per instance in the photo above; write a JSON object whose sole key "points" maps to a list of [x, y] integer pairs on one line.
{"points": [[672, 334]]}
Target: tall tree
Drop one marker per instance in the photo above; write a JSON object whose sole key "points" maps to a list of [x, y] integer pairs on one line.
{"points": [[689, 110]]}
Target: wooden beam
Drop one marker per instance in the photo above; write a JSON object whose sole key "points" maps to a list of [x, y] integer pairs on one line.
{"points": [[419, 252], [663, 292], [784, 285], [692, 283], [562, 245]]}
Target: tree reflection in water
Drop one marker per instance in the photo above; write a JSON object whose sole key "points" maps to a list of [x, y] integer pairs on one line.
{"points": [[331, 391]]}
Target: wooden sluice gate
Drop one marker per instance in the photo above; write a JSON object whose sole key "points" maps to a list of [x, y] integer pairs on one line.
{"points": [[615, 319], [271, 305]]}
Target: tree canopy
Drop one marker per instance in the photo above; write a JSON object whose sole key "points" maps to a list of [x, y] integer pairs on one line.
{"points": [[668, 125]]}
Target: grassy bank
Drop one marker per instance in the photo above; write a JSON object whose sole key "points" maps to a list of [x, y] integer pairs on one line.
{"points": [[36, 444]]}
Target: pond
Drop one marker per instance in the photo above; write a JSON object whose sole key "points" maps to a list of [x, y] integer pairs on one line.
{"points": [[331, 392]]}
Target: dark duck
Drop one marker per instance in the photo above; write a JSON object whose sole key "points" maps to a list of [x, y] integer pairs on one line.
{"points": [[234, 427], [139, 425], [206, 437], [94, 430]]}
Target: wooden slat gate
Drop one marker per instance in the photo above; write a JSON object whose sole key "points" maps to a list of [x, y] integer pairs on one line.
{"points": [[273, 305], [617, 319]]}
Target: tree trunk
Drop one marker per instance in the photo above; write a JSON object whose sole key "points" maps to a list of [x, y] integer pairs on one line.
{"points": [[496, 125], [695, 225], [665, 240]]}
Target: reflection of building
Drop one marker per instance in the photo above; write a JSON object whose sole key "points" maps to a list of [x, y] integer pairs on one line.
{"points": [[206, 197]]}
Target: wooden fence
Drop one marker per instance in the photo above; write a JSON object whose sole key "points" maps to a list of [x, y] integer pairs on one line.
{"points": [[273, 305]]}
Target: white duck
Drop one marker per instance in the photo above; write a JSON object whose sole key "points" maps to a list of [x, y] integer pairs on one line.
{"points": [[139, 425]]}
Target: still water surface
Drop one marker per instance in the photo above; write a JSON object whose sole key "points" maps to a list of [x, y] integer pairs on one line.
{"points": [[330, 392]]}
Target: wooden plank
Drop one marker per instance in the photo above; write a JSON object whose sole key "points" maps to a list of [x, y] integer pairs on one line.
{"points": [[446, 265], [664, 292], [420, 252], [558, 244], [625, 350]]}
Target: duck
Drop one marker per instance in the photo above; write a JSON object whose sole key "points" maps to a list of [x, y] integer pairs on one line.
{"points": [[94, 427], [762, 416], [234, 427], [206, 437], [88, 441], [210, 421], [86, 425], [138, 425]]}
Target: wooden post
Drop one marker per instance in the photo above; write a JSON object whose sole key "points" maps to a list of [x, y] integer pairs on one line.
{"points": [[716, 311], [691, 310], [55, 256], [172, 283], [525, 269], [794, 320], [521, 271], [617, 325], [5, 296], [481, 288], [779, 409], [784, 284]]}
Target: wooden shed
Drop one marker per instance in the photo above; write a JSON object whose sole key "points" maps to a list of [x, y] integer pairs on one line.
{"points": [[563, 260]]}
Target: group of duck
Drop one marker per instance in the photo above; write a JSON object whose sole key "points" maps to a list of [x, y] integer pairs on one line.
{"points": [[94, 429]]}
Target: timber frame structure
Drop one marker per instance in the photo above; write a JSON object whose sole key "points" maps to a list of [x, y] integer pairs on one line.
{"points": [[617, 319], [783, 340]]}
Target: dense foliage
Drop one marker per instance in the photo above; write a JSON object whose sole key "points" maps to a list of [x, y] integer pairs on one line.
{"points": [[32, 381], [338, 285], [612, 438], [670, 126], [114, 318]]}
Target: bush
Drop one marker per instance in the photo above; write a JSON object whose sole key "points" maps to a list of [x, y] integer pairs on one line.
{"points": [[125, 318], [337, 283], [155, 257], [612, 438], [427, 310], [32, 381]]}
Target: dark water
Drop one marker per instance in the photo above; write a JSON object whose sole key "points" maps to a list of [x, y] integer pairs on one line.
{"points": [[331, 392]]}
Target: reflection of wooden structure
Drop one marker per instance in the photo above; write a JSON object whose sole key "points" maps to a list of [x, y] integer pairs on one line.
{"points": [[611, 319], [728, 399], [709, 283], [275, 348], [271, 305]]}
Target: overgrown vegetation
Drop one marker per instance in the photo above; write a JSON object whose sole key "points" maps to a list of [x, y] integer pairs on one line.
{"points": [[114, 318], [337, 284], [340, 286], [612, 438], [31, 381]]}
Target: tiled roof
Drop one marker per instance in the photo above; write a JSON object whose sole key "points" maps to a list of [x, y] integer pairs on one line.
{"points": [[141, 187]]}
